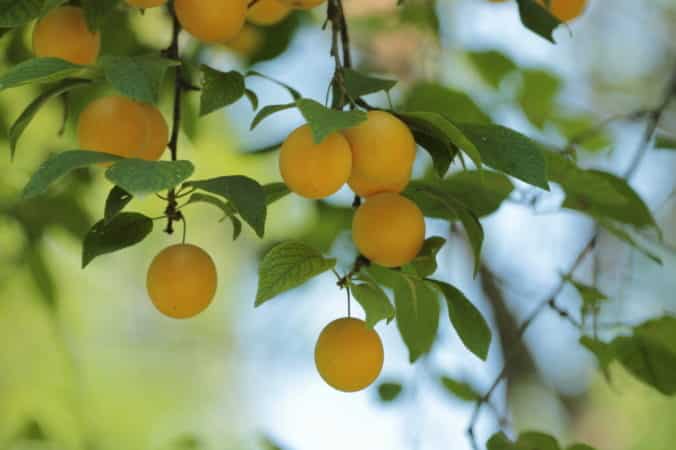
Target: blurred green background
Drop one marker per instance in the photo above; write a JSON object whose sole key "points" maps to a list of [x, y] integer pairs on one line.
{"points": [[87, 363]]}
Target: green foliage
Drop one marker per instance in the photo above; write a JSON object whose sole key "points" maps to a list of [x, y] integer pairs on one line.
{"points": [[14, 13], [591, 297], [140, 177], [43, 70], [287, 266], [454, 105], [468, 322], [537, 95], [61, 164], [358, 85], [538, 19], [325, 121], [137, 77], [493, 66], [97, 12], [220, 89], [389, 392], [529, 441], [124, 230], [245, 194], [425, 264], [116, 201], [459, 389], [373, 300]]}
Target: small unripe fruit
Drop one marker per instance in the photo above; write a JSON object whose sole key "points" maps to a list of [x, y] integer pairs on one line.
{"points": [[383, 148], [182, 281], [63, 33], [303, 4], [349, 355], [212, 21], [115, 125], [146, 3], [268, 12], [315, 170], [389, 229]]}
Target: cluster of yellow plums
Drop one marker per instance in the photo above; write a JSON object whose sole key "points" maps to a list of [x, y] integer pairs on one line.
{"points": [[375, 158], [564, 10]]}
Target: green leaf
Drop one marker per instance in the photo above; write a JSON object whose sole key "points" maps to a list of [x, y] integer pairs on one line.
{"points": [[137, 77], [441, 151], [294, 93], [229, 211], [537, 95], [253, 98], [576, 129], [438, 127], [245, 194], [429, 197], [500, 441], [358, 85], [580, 447], [425, 264], [42, 70], [287, 266], [650, 354], [604, 353], [29, 113], [665, 141], [97, 11], [267, 111], [459, 389], [493, 66], [532, 440], [454, 105], [509, 152], [220, 89], [325, 121], [373, 300], [125, 230], [468, 322], [61, 164], [274, 192], [538, 19], [591, 296], [14, 13], [140, 177], [389, 392], [41, 274], [482, 191], [417, 315], [117, 199]]}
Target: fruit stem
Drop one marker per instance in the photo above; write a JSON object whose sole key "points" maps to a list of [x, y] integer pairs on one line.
{"points": [[172, 52]]}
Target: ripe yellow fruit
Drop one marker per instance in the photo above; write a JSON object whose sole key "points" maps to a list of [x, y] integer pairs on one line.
{"points": [[146, 3], [115, 125], [365, 187], [212, 21], [315, 170], [389, 229], [349, 355], [182, 281], [247, 42], [268, 12], [63, 33], [566, 10], [158, 133], [303, 4], [383, 148]]}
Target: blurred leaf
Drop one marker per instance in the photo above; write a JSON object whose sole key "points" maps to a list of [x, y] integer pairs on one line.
{"points": [[603, 352], [117, 199], [664, 141], [32, 431], [373, 300], [624, 235], [287, 266], [580, 447], [125, 230], [229, 211], [537, 95], [18, 12], [425, 264], [137, 77], [417, 315], [510, 152], [140, 177], [293, 92], [529, 440], [441, 151], [500, 441], [253, 98], [358, 85], [467, 320], [97, 11], [245, 194], [574, 126], [59, 165], [29, 113], [42, 70], [274, 192], [276, 38], [220, 89], [459, 389], [650, 354], [482, 191], [325, 121], [493, 66], [438, 127], [41, 275], [591, 297], [454, 105], [269, 110], [389, 392], [420, 14], [538, 19]]}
